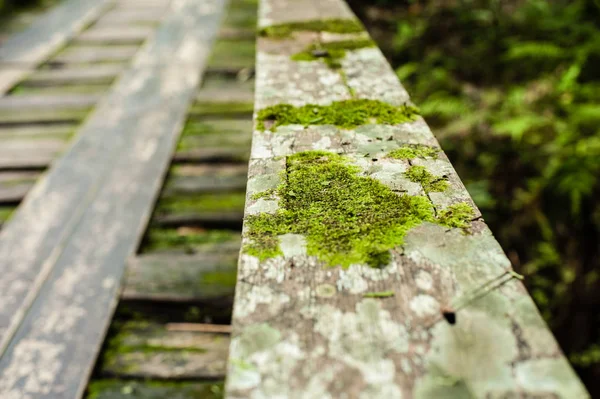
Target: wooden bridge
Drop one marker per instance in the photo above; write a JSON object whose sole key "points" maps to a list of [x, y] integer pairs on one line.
{"points": [[365, 269]]}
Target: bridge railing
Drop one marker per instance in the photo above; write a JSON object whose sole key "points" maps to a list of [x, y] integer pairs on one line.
{"points": [[366, 269]]}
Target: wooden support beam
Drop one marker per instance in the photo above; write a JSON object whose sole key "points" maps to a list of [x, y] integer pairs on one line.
{"points": [[21, 53], [332, 193], [63, 252]]}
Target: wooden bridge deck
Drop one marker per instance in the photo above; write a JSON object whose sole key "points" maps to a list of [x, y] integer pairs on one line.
{"points": [[125, 135]]}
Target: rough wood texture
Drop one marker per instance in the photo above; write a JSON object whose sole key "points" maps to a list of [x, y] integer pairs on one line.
{"points": [[63, 252], [23, 52], [303, 329]]}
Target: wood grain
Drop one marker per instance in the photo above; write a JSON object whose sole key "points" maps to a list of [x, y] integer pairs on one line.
{"points": [[303, 329]]}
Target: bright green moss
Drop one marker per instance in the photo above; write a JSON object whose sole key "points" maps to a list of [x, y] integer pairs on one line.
{"points": [[429, 182], [346, 114], [457, 215], [333, 52], [323, 25], [414, 151], [346, 218], [379, 294]]}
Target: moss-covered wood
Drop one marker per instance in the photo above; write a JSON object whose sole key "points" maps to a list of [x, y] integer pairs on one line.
{"points": [[443, 315]]}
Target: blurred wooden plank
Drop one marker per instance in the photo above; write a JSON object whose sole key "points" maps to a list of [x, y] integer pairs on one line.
{"points": [[29, 153], [132, 389], [115, 35], [94, 54], [65, 249], [15, 185], [92, 74], [52, 102], [22, 52], [197, 277], [150, 351]]}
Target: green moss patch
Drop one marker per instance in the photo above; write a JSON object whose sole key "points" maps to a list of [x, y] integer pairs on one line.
{"points": [[379, 294], [323, 25], [332, 52], [414, 151], [346, 114], [346, 218], [429, 182], [458, 215]]}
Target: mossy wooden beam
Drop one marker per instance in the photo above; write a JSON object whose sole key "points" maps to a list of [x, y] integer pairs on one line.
{"points": [[366, 269]]}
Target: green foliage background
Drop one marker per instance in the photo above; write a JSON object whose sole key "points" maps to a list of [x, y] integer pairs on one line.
{"points": [[512, 91]]}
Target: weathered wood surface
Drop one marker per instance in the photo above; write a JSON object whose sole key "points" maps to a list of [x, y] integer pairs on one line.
{"points": [[37, 101], [15, 185], [150, 350], [56, 130], [29, 154], [94, 54], [183, 180], [63, 252], [201, 277], [42, 115], [93, 74], [118, 389], [131, 17], [304, 329], [24, 51], [115, 35]]}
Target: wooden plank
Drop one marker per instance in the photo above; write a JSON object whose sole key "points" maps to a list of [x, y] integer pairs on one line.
{"points": [[132, 389], [442, 314], [197, 179], [93, 74], [94, 54], [148, 350], [29, 154], [208, 209], [201, 277], [56, 101], [115, 35], [41, 116], [59, 285], [183, 180], [15, 185], [22, 52], [56, 130], [126, 17]]}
